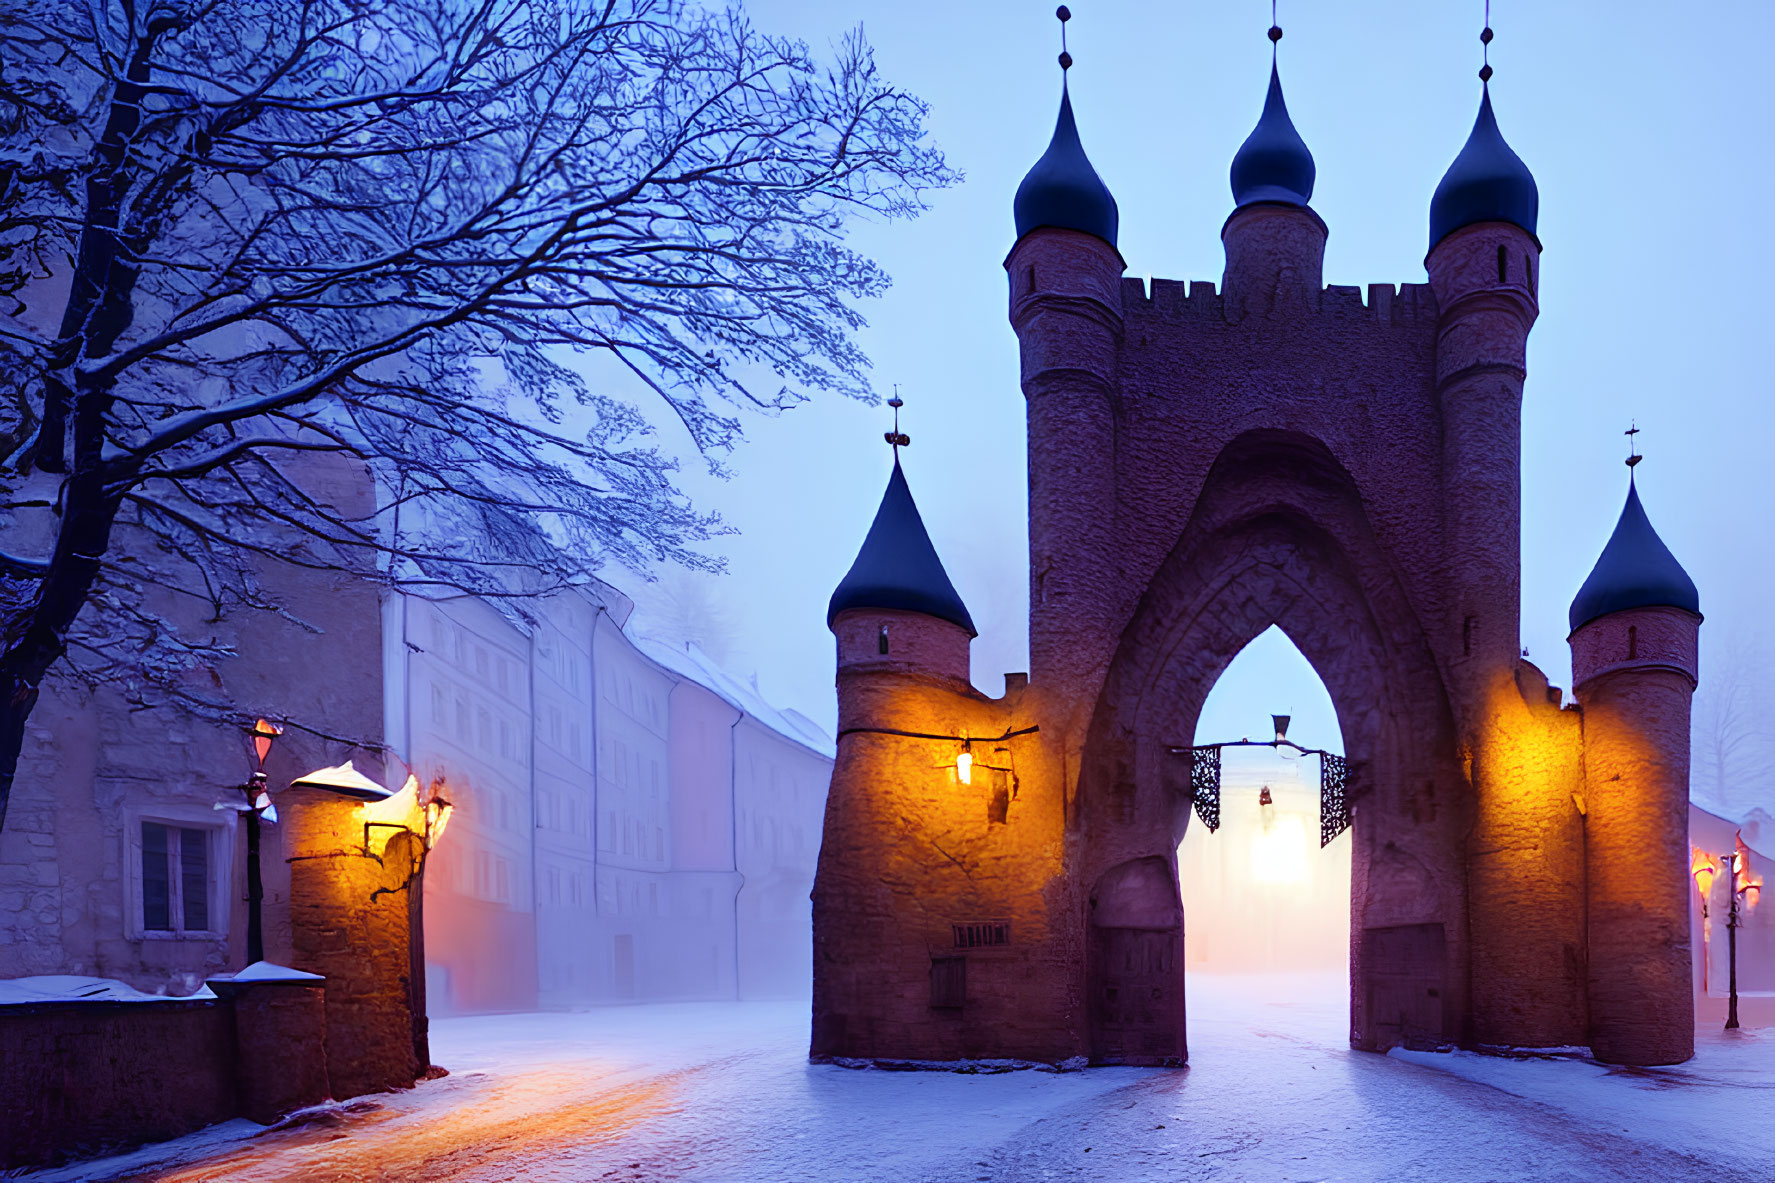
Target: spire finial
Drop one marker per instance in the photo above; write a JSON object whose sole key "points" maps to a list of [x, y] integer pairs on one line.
{"points": [[1485, 36], [896, 437], [1275, 31], [1064, 14], [1633, 456]]}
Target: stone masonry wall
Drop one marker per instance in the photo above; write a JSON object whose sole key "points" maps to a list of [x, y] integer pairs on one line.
{"points": [[1636, 791], [94, 768]]}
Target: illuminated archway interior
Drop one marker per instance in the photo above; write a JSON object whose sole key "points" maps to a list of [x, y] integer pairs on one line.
{"points": [[1259, 894]]}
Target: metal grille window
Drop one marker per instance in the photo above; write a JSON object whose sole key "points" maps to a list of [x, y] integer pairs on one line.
{"points": [[949, 982], [982, 934], [175, 878]]}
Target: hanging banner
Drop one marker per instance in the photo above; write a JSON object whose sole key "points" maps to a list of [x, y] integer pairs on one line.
{"points": [[1204, 781], [1334, 802]]}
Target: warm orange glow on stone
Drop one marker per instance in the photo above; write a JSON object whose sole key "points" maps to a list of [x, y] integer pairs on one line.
{"points": [[1527, 866]]}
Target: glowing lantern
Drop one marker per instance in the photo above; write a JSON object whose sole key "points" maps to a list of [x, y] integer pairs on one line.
{"points": [[1705, 868], [263, 732], [1744, 882], [964, 767]]}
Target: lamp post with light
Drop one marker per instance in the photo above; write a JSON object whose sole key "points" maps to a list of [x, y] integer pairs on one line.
{"points": [[258, 802], [1740, 884]]}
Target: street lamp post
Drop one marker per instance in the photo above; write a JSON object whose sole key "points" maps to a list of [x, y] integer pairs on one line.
{"points": [[1732, 861], [258, 801]]}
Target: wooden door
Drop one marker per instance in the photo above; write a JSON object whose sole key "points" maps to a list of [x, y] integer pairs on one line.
{"points": [[1137, 1011], [1403, 988]]}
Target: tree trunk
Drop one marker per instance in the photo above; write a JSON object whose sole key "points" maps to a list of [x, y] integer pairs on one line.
{"points": [[100, 307], [36, 636], [16, 703]]}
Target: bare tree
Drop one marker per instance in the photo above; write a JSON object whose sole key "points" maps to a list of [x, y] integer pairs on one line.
{"points": [[235, 234]]}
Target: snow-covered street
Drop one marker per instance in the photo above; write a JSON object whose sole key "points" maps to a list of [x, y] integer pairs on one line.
{"points": [[723, 1093]]}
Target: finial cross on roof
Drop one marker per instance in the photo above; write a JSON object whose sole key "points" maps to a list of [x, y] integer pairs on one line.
{"points": [[1633, 456], [896, 437]]}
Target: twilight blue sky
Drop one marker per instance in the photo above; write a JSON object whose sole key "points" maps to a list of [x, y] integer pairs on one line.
{"points": [[1647, 127]]}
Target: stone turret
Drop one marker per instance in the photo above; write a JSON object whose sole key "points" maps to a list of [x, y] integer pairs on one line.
{"points": [[1275, 243], [1484, 266], [1526, 846], [1066, 308], [1635, 636], [896, 611]]}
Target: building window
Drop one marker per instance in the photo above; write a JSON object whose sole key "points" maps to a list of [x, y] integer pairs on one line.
{"points": [[178, 890], [982, 933]]}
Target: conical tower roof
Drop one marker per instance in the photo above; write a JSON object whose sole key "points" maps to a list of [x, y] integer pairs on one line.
{"points": [[1063, 189], [1486, 183], [1636, 570], [1273, 163], [898, 568]]}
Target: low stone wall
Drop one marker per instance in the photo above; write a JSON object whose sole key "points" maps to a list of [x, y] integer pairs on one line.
{"points": [[81, 1078]]}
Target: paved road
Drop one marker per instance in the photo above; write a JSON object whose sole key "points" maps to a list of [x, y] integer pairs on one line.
{"points": [[723, 1094]]}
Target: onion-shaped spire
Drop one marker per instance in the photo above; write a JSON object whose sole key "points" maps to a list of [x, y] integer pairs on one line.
{"points": [[1636, 570], [1063, 189], [898, 568], [1273, 163], [1487, 182]]}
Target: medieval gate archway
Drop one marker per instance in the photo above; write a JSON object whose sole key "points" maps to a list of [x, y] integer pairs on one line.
{"points": [[997, 876], [1279, 537]]}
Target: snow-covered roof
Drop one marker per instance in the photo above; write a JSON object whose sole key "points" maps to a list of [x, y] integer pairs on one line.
{"points": [[78, 988], [1716, 834], [691, 663], [265, 971]]}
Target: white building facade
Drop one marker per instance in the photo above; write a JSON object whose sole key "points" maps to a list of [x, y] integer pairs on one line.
{"points": [[631, 823]]}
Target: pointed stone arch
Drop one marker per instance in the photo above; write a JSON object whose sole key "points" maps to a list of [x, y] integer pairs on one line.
{"points": [[1280, 535]]}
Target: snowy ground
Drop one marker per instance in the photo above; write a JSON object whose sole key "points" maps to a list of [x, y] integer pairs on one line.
{"points": [[722, 1093]]}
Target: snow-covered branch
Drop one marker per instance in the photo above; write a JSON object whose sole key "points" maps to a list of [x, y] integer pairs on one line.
{"points": [[320, 281]]}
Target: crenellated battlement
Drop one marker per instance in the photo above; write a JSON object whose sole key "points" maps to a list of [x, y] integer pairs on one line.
{"points": [[1198, 299]]}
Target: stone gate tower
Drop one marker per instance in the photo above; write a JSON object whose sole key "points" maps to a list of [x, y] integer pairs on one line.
{"points": [[998, 876]]}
